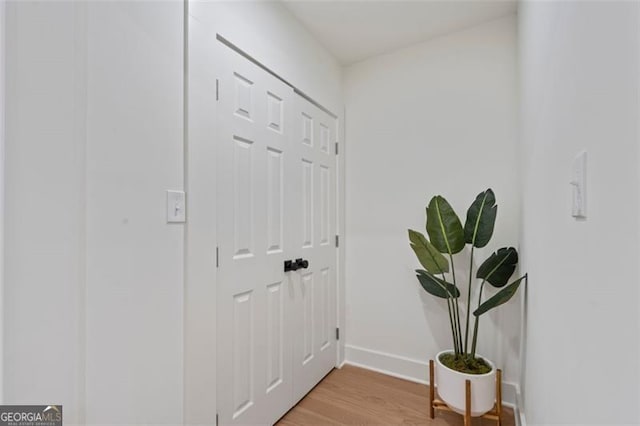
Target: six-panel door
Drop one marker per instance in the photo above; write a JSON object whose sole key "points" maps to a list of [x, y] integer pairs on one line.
{"points": [[254, 336], [314, 350], [276, 180]]}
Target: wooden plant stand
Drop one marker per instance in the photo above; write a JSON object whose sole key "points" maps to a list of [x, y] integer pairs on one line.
{"points": [[438, 404]]}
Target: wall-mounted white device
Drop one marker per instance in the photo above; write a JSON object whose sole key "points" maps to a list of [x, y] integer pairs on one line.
{"points": [[579, 186], [176, 206]]}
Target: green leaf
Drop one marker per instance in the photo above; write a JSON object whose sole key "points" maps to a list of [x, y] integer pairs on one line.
{"points": [[429, 257], [436, 286], [500, 297], [443, 226], [499, 267], [481, 218]]}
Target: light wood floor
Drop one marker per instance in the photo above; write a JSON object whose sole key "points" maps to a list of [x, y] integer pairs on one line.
{"points": [[354, 396]]}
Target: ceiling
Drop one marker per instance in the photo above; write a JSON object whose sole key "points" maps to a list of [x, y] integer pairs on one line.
{"points": [[355, 30]]}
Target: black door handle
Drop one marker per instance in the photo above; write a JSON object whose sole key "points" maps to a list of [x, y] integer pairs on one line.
{"points": [[290, 265], [294, 265]]}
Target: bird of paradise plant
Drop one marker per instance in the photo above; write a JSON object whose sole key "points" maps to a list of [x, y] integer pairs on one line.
{"points": [[447, 237]]}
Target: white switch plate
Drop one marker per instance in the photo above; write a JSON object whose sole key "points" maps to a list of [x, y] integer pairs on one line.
{"points": [[579, 186], [176, 206]]}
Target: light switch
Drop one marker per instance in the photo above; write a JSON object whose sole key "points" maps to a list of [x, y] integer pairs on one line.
{"points": [[579, 186], [176, 206]]}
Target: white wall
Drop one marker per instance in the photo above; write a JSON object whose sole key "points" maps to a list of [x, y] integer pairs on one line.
{"points": [[200, 255], [44, 218], [580, 90], [434, 118], [2, 174], [270, 34], [94, 277], [134, 290]]}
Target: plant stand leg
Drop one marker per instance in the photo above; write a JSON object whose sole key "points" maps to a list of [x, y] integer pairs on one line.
{"points": [[494, 414], [432, 392], [467, 411], [499, 396]]}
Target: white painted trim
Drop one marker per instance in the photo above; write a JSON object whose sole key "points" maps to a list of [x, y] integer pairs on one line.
{"points": [[392, 365], [2, 173], [340, 229], [409, 369]]}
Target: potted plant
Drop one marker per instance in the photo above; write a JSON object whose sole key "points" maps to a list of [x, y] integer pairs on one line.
{"points": [[447, 237]]}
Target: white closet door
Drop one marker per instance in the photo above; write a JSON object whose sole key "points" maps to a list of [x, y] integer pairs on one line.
{"points": [[313, 152], [254, 336]]}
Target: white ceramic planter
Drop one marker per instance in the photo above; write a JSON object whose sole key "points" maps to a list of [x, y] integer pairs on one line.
{"points": [[451, 388]]}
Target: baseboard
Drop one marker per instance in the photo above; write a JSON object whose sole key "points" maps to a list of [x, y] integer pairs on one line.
{"points": [[519, 410], [413, 370]]}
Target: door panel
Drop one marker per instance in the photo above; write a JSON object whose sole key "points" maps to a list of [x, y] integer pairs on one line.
{"points": [[314, 351], [254, 300]]}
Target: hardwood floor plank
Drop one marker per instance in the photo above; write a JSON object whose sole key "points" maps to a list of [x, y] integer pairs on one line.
{"points": [[356, 396]]}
